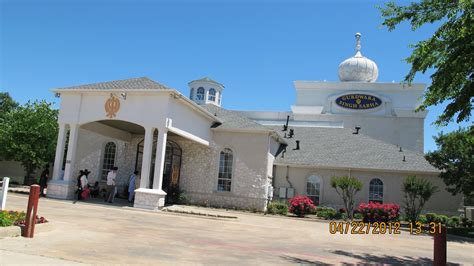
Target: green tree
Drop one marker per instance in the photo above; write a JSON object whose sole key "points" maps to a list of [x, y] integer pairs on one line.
{"points": [[347, 187], [449, 52], [6, 104], [28, 135], [455, 158], [417, 192]]}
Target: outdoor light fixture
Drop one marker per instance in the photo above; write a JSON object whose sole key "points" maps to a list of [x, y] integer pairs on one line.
{"points": [[57, 95], [124, 95]]}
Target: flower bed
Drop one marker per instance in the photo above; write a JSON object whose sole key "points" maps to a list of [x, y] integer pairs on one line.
{"points": [[378, 212], [9, 218], [301, 206]]}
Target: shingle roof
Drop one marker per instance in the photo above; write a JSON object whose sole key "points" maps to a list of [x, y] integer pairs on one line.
{"points": [[338, 147], [142, 83], [233, 120], [208, 80]]}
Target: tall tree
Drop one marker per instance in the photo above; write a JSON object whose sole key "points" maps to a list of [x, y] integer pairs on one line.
{"points": [[455, 157], [450, 52], [6, 104], [28, 135]]}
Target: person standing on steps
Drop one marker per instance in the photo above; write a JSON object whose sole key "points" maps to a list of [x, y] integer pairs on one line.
{"points": [[111, 176]]}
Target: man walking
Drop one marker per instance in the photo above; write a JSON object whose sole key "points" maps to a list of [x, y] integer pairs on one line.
{"points": [[111, 175]]}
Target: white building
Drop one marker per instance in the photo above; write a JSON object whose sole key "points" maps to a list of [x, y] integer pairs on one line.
{"points": [[242, 159]]}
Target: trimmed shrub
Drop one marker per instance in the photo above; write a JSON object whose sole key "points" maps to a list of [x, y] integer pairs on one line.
{"points": [[454, 221], [431, 217], [276, 207], [329, 213], [435, 218], [358, 216], [301, 205], [466, 222], [378, 212], [422, 219]]}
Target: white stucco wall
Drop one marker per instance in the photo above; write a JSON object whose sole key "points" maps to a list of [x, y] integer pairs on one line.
{"points": [[441, 202]]}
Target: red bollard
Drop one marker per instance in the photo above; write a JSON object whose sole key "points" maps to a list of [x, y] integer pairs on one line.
{"points": [[440, 248], [30, 219]]}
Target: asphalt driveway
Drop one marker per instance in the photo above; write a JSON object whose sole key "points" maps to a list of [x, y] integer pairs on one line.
{"points": [[101, 234]]}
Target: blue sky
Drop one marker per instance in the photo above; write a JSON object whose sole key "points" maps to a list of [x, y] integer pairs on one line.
{"points": [[255, 48]]}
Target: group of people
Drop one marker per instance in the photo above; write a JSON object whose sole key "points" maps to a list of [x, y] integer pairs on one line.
{"points": [[84, 190]]}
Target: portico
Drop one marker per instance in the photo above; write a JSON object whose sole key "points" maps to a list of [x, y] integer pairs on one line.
{"points": [[134, 113]]}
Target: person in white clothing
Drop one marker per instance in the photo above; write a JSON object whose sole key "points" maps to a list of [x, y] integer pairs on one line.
{"points": [[84, 180], [111, 184]]}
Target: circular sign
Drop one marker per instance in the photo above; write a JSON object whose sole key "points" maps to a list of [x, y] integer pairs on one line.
{"points": [[357, 101]]}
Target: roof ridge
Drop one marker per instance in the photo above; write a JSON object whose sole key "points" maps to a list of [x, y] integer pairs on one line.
{"points": [[130, 83]]}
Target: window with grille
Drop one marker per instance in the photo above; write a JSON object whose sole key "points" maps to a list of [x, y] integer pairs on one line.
{"points": [[200, 94], [313, 188], [191, 94], [109, 159], [225, 170], [212, 95], [376, 190]]}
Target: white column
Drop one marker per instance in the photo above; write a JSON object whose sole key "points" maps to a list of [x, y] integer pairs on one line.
{"points": [[146, 160], [160, 159], [58, 159], [71, 152]]}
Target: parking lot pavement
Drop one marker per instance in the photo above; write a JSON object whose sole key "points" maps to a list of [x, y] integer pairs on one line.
{"points": [[104, 234]]}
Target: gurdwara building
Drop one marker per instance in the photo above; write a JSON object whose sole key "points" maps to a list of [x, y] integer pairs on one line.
{"points": [[244, 159]]}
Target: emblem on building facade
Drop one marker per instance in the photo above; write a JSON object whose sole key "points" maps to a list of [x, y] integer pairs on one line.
{"points": [[112, 105], [358, 101]]}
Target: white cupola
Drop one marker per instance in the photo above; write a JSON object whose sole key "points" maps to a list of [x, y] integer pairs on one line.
{"points": [[206, 91], [358, 68]]}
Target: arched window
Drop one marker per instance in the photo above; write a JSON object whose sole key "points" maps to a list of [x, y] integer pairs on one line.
{"points": [[212, 95], [109, 159], [376, 190], [191, 94], [313, 188], [225, 170], [200, 94]]}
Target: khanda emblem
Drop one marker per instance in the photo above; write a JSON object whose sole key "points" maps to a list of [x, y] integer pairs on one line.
{"points": [[112, 105]]}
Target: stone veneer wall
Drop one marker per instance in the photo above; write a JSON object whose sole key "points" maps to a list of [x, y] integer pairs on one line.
{"points": [[90, 152], [199, 171]]}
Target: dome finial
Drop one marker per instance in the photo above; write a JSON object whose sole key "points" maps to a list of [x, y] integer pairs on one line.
{"points": [[357, 35], [358, 68]]}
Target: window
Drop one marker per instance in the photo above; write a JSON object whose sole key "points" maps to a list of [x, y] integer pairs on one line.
{"points": [[313, 188], [376, 190], [212, 95], [225, 170], [200, 94], [219, 98], [109, 159], [191, 94]]}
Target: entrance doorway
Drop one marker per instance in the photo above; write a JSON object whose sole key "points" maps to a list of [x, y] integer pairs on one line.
{"points": [[171, 171]]}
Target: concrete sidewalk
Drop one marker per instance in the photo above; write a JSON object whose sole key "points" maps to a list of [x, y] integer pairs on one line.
{"points": [[16, 258], [106, 234]]}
